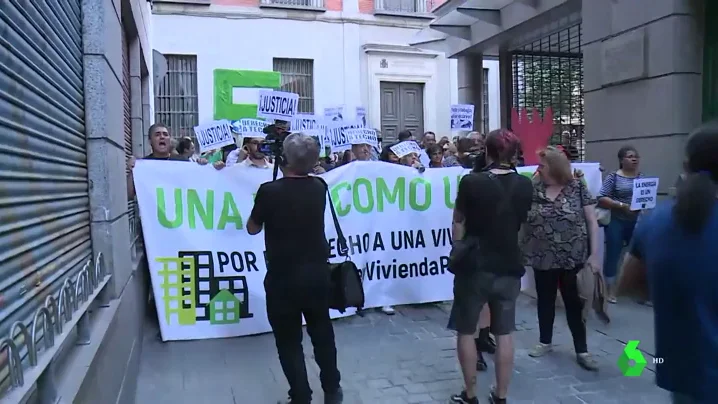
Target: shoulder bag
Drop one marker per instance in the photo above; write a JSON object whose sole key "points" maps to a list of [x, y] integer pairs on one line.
{"points": [[346, 288], [591, 287], [603, 215]]}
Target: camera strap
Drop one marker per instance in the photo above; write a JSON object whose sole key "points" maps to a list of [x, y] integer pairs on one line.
{"points": [[341, 240]]}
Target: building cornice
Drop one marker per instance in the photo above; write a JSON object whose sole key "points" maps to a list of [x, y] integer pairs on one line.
{"points": [[330, 17]]}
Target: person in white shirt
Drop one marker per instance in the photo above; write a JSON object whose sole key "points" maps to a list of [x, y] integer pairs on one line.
{"points": [[249, 155], [428, 140]]}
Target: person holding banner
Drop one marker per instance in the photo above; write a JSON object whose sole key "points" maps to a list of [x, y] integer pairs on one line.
{"points": [[290, 210], [491, 206], [161, 145]]}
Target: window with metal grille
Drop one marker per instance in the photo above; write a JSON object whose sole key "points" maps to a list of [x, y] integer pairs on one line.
{"points": [[403, 6], [176, 98], [485, 103], [548, 72], [293, 3], [298, 78]]}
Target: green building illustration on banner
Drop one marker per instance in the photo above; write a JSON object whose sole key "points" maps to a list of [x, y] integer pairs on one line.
{"points": [[225, 80], [178, 287], [224, 308]]}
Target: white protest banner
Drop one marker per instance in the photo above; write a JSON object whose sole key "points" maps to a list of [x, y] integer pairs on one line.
{"points": [[462, 117], [362, 136], [336, 134], [249, 127], [302, 122], [406, 147], [361, 116], [335, 114], [645, 193], [277, 105], [214, 135], [207, 271]]}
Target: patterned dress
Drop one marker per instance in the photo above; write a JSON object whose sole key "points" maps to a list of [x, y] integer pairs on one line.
{"points": [[556, 234]]}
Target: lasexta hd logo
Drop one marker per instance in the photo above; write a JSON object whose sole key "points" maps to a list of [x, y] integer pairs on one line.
{"points": [[632, 354]]}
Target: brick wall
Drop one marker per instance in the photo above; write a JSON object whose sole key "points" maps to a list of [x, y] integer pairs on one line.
{"points": [[334, 5]]}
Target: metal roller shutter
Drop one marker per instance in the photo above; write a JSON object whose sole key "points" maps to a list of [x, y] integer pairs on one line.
{"points": [[44, 204], [127, 115]]}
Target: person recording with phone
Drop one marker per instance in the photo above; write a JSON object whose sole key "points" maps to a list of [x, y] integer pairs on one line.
{"points": [[290, 210]]}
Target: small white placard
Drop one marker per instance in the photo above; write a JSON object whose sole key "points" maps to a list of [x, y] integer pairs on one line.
{"points": [[645, 193], [277, 105], [362, 136], [213, 135], [361, 116], [462, 117], [404, 148], [335, 114], [336, 133], [249, 127], [302, 122]]}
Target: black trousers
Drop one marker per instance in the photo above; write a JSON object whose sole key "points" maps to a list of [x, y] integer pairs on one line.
{"points": [[303, 292], [547, 283]]}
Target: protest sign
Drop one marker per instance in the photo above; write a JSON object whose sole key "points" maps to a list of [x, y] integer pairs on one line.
{"points": [[361, 116], [362, 136], [207, 272], [277, 105], [302, 122], [335, 114], [337, 136], [249, 127], [404, 148], [645, 193], [462, 117], [213, 135]]}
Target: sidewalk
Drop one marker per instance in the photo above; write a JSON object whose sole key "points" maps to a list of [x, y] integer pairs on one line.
{"points": [[406, 358]]}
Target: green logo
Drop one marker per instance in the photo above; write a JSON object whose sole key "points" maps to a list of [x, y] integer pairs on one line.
{"points": [[631, 353]]}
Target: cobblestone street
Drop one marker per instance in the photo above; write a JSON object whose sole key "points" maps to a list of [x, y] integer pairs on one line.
{"points": [[406, 358]]}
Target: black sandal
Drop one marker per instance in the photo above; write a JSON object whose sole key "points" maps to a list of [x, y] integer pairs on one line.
{"points": [[481, 364], [494, 399]]}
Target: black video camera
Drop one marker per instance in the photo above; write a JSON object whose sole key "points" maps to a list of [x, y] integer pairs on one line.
{"points": [[274, 141]]}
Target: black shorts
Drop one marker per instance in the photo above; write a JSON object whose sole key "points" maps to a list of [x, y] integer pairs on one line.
{"points": [[473, 291]]}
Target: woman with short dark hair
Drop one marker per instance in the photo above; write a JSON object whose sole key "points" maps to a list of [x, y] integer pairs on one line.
{"points": [[616, 194]]}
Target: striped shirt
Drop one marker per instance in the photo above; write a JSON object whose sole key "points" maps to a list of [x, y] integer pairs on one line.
{"points": [[620, 189]]}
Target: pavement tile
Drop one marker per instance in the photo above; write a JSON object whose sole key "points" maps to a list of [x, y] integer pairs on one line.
{"points": [[406, 358]]}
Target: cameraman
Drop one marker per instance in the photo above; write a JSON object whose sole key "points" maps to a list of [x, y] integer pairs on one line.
{"points": [[291, 212]]}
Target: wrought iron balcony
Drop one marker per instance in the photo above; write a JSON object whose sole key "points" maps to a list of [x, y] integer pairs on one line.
{"points": [[303, 4], [419, 8]]}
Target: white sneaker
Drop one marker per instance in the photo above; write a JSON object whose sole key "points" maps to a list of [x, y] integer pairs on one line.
{"points": [[388, 310], [540, 350]]}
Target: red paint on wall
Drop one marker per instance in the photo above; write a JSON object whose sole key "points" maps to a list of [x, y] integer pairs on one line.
{"points": [[534, 133]]}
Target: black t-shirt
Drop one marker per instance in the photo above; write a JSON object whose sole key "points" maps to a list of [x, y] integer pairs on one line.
{"points": [[173, 157], [292, 212], [494, 210]]}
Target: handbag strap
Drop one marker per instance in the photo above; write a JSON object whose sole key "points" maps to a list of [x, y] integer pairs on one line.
{"points": [[342, 246]]}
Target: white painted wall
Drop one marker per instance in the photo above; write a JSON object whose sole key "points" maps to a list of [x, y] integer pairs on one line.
{"points": [[494, 104], [344, 74]]}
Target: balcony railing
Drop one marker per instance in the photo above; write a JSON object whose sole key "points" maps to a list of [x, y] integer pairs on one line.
{"points": [[305, 4], [407, 7]]}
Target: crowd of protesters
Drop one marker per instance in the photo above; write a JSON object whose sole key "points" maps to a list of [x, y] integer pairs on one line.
{"points": [[550, 224]]}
